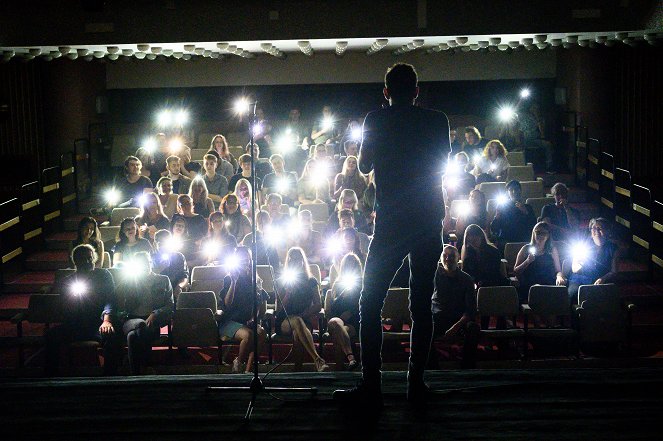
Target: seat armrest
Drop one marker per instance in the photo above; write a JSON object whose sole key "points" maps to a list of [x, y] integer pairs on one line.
{"points": [[453, 237], [525, 309], [18, 318], [218, 314]]}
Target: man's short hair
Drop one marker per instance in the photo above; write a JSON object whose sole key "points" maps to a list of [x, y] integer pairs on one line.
{"points": [[346, 213], [513, 184], [161, 235], [210, 157], [214, 153], [275, 156], [401, 80], [129, 159], [79, 250], [472, 129], [349, 142], [245, 158], [171, 159], [560, 189]]}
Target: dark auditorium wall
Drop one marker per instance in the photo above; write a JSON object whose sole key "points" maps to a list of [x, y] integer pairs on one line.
{"points": [[70, 92], [618, 93]]}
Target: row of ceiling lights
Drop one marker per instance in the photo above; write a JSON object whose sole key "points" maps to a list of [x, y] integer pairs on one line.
{"points": [[459, 43]]}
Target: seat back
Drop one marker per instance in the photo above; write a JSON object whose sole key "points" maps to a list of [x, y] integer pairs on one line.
{"points": [[194, 327], [396, 306], [492, 189], [208, 278], [537, 204], [266, 274], [498, 301], [197, 299], [61, 274], [119, 214], [46, 308], [491, 208], [602, 317], [108, 234], [106, 263], [511, 251], [319, 211], [549, 300], [516, 158], [532, 189], [520, 173]]}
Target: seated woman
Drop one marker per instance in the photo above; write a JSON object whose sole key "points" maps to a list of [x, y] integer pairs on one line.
{"points": [[166, 197], [147, 301], [457, 181], [538, 262], [562, 218], [170, 263], [492, 165], [88, 233], [347, 201], [196, 225], [350, 178], [237, 224], [219, 146], [308, 239], [220, 243], [593, 263], [265, 250], [237, 303], [313, 187], [481, 259], [243, 192], [299, 296], [202, 204], [183, 243], [128, 243], [153, 218], [342, 304], [473, 213]]}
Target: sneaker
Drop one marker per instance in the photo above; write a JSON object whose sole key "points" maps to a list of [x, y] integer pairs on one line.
{"points": [[320, 365], [238, 366], [363, 395]]}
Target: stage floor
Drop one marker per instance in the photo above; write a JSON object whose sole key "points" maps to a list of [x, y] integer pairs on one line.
{"points": [[559, 404]]}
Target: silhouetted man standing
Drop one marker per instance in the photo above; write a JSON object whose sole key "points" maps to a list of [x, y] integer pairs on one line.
{"points": [[409, 209]]}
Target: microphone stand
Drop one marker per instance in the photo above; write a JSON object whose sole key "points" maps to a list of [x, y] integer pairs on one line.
{"points": [[256, 386]]}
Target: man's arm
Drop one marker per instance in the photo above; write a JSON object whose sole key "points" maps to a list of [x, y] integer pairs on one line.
{"points": [[367, 149]]}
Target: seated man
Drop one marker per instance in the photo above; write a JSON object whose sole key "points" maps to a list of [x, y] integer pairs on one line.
{"points": [[514, 219], [217, 184], [562, 218], [170, 262], [237, 303], [188, 168], [454, 307], [181, 183], [281, 181], [346, 219], [593, 263], [307, 238], [474, 143], [146, 304], [89, 298], [263, 167], [273, 205], [245, 172], [129, 187]]}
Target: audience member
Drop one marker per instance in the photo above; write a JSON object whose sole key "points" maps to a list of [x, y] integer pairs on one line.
{"points": [[128, 243], [263, 167], [227, 165], [180, 182], [221, 243], [313, 187], [347, 201], [281, 181], [297, 307], [89, 299], [342, 306], [346, 219], [132, 184], [265, 251], [166, 197], [149, 169], [273, 205], [533, 128], [243, 192], [349, 178], [306, 238], [473, 213], [456, 146], [455, 307], [457, 181], [245, 163], [513, 219], [481, 259], [182, 242], [170, 263], [202, 203], [538, 262], [147, 302], [474, 143], [237, 223], [493, 165], [217, 184], [188, 168], [152, 217], [560, 216], [323, 129], [236, 321], [88, 233], [593, 263], [196, 224]]}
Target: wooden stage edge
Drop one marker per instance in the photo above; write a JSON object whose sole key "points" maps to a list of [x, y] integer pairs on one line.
{"points": [[505, 404]]}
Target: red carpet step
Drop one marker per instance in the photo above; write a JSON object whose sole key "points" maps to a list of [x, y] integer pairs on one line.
{"points": [[47, 260], [61, 240], [29, 282]]}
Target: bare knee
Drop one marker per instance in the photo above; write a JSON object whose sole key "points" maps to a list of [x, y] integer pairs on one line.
{"points": [[335, 324]]}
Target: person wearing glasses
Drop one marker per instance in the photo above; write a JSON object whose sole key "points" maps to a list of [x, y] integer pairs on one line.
{"points": [[594, 262]]}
